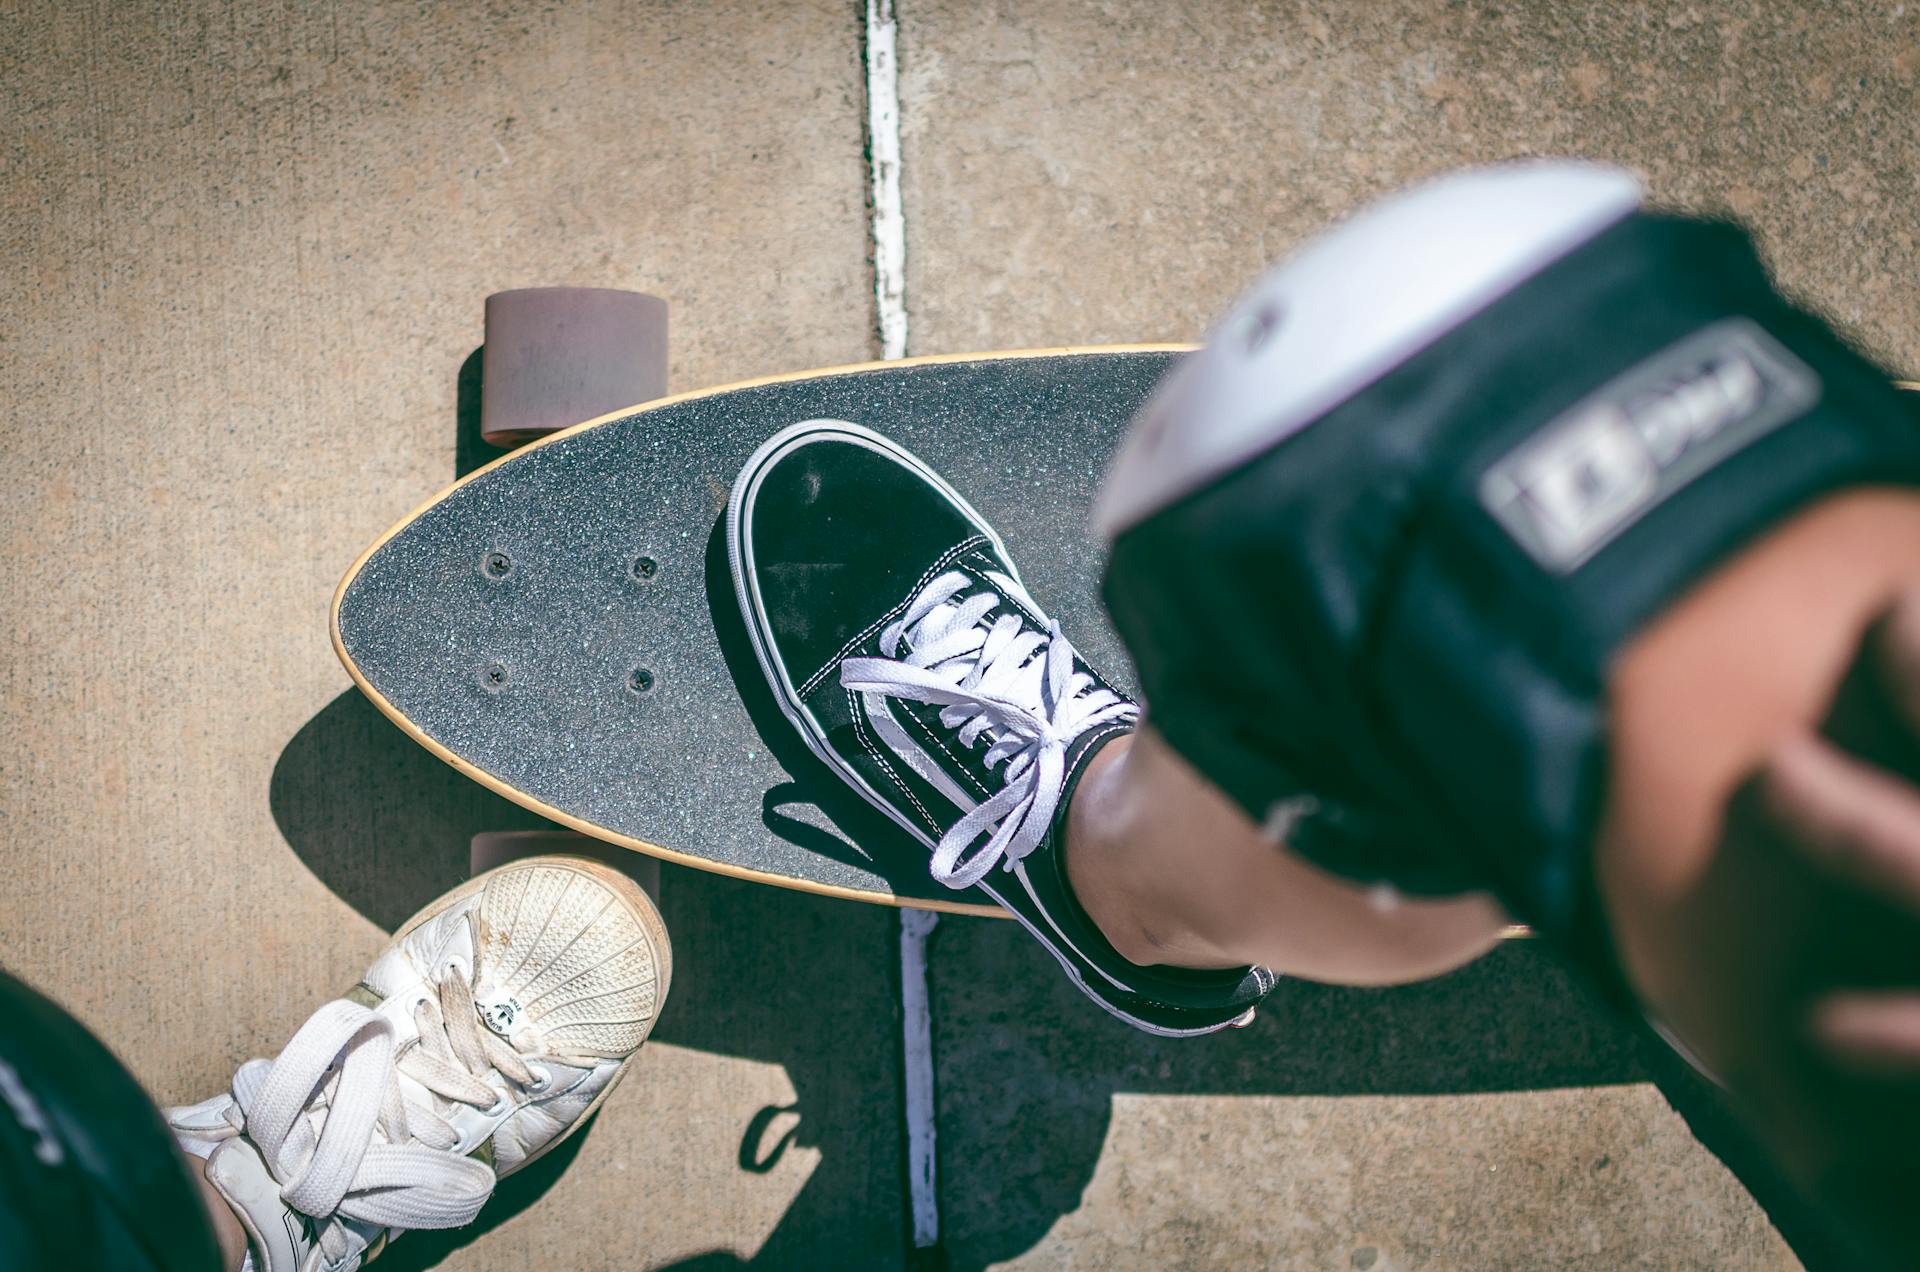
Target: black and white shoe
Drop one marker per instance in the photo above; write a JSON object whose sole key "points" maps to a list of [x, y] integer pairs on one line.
{"points": [[898, 638]]}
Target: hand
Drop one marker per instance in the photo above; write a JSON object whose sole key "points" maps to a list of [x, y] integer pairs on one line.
{"points": [[1804, 995], [1853, 815]]}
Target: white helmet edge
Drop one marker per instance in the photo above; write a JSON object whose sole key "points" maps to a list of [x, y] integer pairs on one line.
{"points": [[1348, 307]]}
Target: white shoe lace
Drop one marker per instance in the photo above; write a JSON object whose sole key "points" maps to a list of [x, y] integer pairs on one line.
{"points": [[1000, 677], [376, 1157]]}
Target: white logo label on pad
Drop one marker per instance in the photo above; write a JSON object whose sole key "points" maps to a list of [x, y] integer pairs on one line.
{"points": [[1573, 487]]}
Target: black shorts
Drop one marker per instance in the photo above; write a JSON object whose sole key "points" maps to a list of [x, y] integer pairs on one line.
{"points": [[90, 1177]]}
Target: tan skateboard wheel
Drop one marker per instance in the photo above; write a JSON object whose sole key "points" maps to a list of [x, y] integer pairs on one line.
{"points": [[557, 356]]}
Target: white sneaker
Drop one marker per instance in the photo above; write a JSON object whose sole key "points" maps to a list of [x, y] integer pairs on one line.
{"points": [[492, 1026]]}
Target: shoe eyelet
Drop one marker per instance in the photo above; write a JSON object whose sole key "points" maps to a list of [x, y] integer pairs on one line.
{"points": [[542, 1080]]}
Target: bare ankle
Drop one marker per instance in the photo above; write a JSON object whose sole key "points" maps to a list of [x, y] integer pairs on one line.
{"points": [[227, 1232], [1173, 873], [1089, 856], [1100, 836]]}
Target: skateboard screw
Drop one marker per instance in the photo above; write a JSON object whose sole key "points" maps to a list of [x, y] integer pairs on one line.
{"points": [[645, 568], [493, 677], [496, 565], [640, 680]]}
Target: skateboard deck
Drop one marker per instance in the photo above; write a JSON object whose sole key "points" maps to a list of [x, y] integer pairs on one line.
{"points": [[561, 626]]}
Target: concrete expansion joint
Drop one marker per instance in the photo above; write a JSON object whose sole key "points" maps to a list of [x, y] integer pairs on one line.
{"points": [[889, 245], [883, 158]]}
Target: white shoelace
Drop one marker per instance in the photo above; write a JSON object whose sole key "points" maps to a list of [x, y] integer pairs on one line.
{"points": [[998, 675], [376, 1159]]}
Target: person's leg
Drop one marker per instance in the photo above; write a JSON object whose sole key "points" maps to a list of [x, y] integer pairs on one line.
{"points": [[898, 639], [1748, 662], [227, 1232], [1727, 940], [1173, 872]]}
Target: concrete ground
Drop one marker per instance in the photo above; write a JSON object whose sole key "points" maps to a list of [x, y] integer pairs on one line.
{"points": [[242, 253]]}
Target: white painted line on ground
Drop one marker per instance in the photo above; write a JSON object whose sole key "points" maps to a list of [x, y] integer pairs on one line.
{"points": [[890, 307], [883, 141], [916, 1018]]}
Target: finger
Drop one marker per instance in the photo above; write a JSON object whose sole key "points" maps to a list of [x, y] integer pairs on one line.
{"points": [[1876, 1033], [1855, 820], [1875, 711]]}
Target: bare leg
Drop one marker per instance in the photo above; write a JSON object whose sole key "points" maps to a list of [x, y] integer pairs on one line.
{"points": [[1174, 873], [227, 1231]]}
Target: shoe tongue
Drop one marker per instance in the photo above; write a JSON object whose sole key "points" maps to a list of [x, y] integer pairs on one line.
{"points": [[410, 961], [278, 1236]]}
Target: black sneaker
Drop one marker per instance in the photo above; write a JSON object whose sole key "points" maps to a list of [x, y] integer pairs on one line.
{"points": [[897, 635]]}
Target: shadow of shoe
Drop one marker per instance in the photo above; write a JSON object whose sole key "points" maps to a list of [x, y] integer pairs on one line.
{"points": [[470, 450], [1028, 1072], [378, 819], [416, 1251], [809, 984]]}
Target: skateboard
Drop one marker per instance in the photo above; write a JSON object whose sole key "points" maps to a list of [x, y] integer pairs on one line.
{"points": [[560, 625]]}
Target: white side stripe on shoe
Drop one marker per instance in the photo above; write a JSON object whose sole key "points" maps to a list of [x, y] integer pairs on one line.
{"points": [[904, 745]]}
